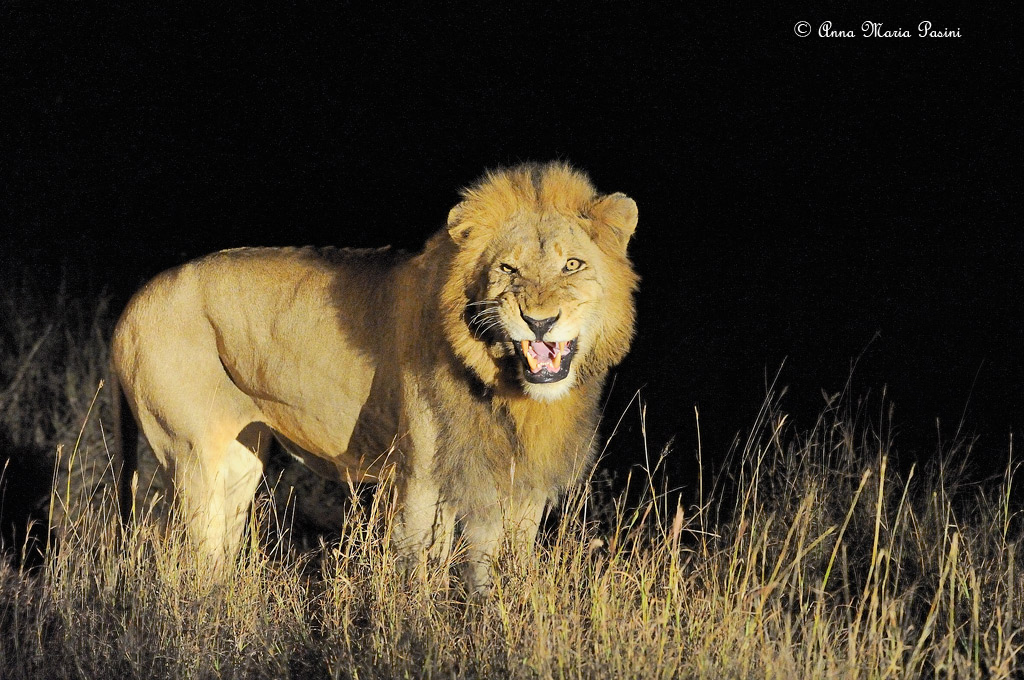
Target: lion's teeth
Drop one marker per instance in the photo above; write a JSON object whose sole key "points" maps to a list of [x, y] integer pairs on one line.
{"points": [[527, 352], [544, 354]]}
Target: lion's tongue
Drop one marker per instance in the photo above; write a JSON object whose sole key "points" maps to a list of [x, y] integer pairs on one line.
{"points": [[543, 350], [541, 354]]}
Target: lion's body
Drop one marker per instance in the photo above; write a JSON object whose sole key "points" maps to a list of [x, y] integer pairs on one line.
{"points": [[368, 362]]}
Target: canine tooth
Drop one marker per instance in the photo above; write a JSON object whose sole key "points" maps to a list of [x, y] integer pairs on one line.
{"points": [[525, 344], [533, 364], [556, 362]]}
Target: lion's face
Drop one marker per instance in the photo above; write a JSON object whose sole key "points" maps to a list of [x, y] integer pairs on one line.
{"points": [[538, 302], [541, 292]]}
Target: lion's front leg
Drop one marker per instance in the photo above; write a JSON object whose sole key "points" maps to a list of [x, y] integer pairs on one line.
{"points": [[425, 525], [426, 520], [486, 528]]}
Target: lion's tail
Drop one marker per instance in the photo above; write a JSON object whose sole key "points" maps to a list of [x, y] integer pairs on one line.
{"points": [[126, 441]]}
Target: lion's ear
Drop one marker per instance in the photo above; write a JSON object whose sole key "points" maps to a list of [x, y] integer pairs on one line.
{"points": [[457, 229], [617, 211]]}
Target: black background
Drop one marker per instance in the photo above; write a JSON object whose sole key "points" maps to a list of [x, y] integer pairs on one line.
{"points": [[801, 199]]}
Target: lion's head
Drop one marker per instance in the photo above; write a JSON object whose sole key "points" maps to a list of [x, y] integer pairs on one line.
{"points": [[540, 294]]}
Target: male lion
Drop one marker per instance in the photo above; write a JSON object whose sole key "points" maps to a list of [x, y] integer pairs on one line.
{"points": [[472, 370]]}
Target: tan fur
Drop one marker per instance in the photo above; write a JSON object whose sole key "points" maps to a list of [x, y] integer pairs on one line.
{"points": [[367, 362]]}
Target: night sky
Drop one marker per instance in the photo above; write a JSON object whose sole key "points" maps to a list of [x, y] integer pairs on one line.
{"points": [[802, 199]]}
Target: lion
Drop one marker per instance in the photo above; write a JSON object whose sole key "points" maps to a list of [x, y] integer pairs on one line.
{"points": [[470, 373]]}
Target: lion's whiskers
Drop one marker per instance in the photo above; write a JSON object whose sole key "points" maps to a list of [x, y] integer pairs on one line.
{"points": [[493, 324], [484, 321], [484, 315]]}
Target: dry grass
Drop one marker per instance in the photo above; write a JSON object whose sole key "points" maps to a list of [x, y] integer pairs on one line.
{"points": [[810, 558]]}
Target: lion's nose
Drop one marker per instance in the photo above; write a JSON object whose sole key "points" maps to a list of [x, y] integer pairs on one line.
{"points": [[540, 326]]}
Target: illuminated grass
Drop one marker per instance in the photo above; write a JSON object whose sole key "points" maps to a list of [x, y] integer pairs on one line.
{"points": [[809, 558]]}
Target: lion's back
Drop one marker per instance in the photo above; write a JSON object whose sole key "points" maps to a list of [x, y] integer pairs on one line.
{"points": [[251, 301], [304, 333]]}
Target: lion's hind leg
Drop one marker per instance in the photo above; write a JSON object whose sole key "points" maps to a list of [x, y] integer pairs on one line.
{"points": [[215, 484]]}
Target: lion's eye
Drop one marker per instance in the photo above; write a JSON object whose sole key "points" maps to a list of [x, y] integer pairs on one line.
{"points": [[572, 265], [508, 269]]}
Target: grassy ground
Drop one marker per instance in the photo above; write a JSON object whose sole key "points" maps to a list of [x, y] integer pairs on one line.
{"points": [[809, 558]]}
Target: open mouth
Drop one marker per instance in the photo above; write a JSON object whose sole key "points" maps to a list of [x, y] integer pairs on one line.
{"points": [[545, 362]]}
